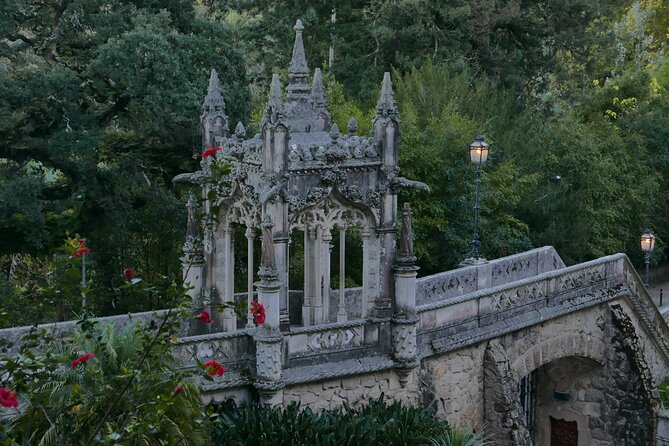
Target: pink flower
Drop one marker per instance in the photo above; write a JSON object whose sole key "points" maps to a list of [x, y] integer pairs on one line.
{"points": [[7, 398], [258, 311], [178, 389], [214, 367], [205, 317], [128, 273], [210, 152], [83, 359]]}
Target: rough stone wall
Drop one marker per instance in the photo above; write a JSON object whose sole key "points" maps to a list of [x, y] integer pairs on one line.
{"points": [[627, 386], [354, 390], [454, 384], [501, 402]]}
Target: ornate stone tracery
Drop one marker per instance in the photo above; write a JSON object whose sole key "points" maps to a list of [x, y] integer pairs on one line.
{"points": [[333, 212]]}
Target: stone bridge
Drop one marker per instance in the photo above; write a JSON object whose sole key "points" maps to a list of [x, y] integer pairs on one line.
{"points": [[521, 346]]}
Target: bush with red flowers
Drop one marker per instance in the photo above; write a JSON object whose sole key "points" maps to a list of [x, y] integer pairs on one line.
{"points": [[128, 273], [214, 368], [8, 398], [205, 317], [258, 312]]}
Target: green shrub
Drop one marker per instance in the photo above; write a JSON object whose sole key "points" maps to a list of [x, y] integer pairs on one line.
{"points": [[374, 424], [459, 436], [64, 402]]}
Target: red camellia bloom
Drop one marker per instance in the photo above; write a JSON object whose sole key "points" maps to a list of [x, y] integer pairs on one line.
{"points": [[205, 317], [258, 311], [128, 273], [80, 249], [210, 152], [179, 389], [7, 398], [214, 367], [83, 359]]}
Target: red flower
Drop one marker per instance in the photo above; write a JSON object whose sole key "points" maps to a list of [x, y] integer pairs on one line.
{"points": [[205, 317], [214, 367], [179, 389], [83, 359], [258, 312], [7, 398], [80, 249], [210, 152], [128, 273]]}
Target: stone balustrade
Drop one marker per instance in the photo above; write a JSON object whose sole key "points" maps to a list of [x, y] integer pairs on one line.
{"points": [[468, 279]]}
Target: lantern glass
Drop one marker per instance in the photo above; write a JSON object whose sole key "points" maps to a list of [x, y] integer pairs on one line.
{"points": [[478, 151], [647, 241]]}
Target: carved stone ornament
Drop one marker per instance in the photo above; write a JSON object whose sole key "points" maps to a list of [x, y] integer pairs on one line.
{"points": [[332, 212], [268, 256]]}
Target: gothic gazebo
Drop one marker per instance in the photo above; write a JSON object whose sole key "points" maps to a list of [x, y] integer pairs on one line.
{"points": [[300, 174]]}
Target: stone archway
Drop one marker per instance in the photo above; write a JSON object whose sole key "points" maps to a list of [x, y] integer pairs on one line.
{"points": [[561, 346], [596, 377]]}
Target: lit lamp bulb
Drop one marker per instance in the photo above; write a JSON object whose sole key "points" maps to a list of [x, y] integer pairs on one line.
{"points": [[647, 241], [478, 150]]}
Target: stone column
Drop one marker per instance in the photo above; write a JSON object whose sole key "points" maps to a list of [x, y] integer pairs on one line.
{"points": [[281, 242], [192, 264], [405, 320], [326, 249], [306, 293], [318, 276], [366, 278], [250, 235], [229, 317], [268, 338], [342, 316]]}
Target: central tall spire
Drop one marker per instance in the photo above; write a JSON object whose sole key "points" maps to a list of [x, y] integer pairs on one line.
{"points": [[298, 72]]}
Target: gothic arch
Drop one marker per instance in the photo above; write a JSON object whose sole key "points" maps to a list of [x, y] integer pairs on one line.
{"points": [[562, 346], [239, 208], [334, 210]]}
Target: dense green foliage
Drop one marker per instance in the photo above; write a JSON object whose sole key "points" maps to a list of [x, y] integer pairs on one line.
{"points": [[66, 403], [100, 104], [375, 423]]}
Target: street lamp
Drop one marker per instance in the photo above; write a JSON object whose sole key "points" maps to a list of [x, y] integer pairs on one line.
{"points": [[647, 246], [478, 154]]}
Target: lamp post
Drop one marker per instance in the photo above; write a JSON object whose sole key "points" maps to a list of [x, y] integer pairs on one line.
{"points": [[478, 154], [647, 246]]}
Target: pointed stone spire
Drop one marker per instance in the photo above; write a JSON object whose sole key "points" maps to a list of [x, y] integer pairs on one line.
{"points": [[275, 90], [335, 133], [317, 91], [353, 126], [214, 102], [274, 108], [298, 72], [386, 105], [214, 120], [240, 130]]}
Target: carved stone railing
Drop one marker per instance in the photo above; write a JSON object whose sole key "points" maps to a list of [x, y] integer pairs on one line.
{"points": [[459, 321], [235, 350], [10, 338], [468, 279]]}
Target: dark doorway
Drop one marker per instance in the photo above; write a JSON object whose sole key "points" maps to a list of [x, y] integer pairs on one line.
{"points": [[527, 388], [563, 433]]}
